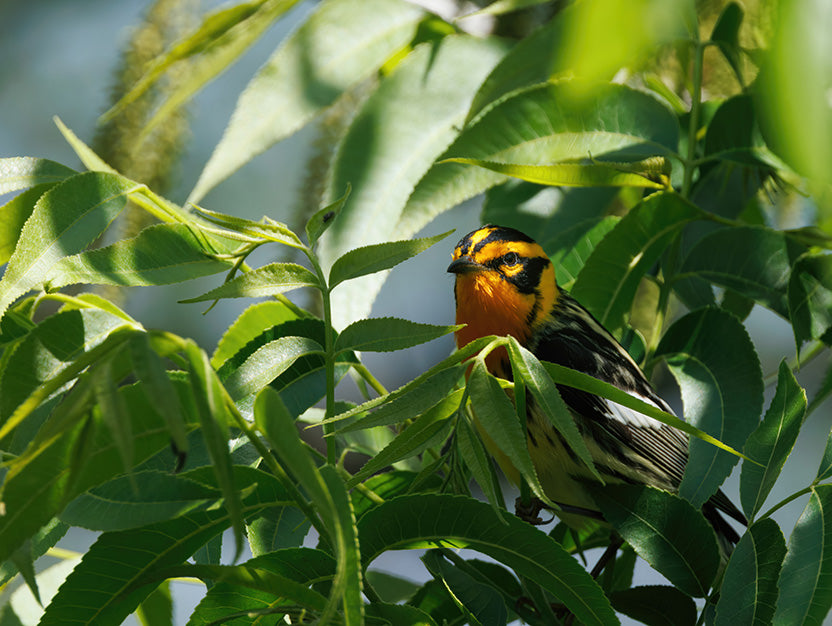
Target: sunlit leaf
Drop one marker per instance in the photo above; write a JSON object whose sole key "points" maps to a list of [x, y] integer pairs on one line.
{"points": [[66, 219], [430, 428], [378, 257], [542, 125], [158, 255], [268, 280], [220, 40], [596, 174], [386, 150], [13, 216], [337, 46], [22, 172], [387, 334]]}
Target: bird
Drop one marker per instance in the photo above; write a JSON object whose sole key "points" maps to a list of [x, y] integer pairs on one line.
{"points": [[505, 285]]}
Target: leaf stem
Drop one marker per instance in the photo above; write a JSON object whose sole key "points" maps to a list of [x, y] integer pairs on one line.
{"points": [[275, 467], [362, 371], [693, 125], [329, 356], [786, 501]]}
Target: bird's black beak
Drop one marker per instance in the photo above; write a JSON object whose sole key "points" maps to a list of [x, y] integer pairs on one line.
{"points": [[464, 265]]}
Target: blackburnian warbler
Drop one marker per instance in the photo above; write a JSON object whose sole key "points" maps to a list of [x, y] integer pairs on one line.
{"points": [[505, 285]]}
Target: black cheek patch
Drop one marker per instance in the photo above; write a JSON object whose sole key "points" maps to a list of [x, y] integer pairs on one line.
{"points": [[528, 280]]}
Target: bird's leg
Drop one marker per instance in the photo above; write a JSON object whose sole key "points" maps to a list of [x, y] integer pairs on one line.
{"points": [[530, 511], [609, 554]]}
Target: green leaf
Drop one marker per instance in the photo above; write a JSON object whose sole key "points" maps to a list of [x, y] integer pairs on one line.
{"points": [[21, 172], [403, 406], [806, 579], [772, 441], [23, 561], [279, 527], [66, 219], [795, 116], [596, 174], [386, 150], [87, 155], [400, 614], [607, 283], [713, 359], [339, 45], [482, 603], [145, 498], [733, 136], [387, 334], [213, 420], [584, 382], [302, 566], [159, 255], [114, 412], [571, 248], [473, 453], [251, 322], [531, 61], [304, 382], [266, 364], [268, 280], [810, 297], [277, 425], [497, 417], [664, 530], [52, 355], [13, 216], [159, 389], [726, 35], [347, 584], [219, 41], [753, 261], [501, 7], [428, 429], [40, 542], [104, 589], [266, 229], [749, 590], [525, 366], [432, 520], [825, 467], [542, 125], [322, 219], [157, 608], [655, 605], [86, 456], [378, 257]]}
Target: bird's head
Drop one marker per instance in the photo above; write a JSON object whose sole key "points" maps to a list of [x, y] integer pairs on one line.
{"points": [[505, 284]]}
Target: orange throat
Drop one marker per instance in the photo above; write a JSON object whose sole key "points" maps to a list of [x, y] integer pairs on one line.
{"points": [[489, 305]]}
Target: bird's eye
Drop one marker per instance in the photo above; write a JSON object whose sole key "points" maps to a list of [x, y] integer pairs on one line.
{"points": [[511, 258]]}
